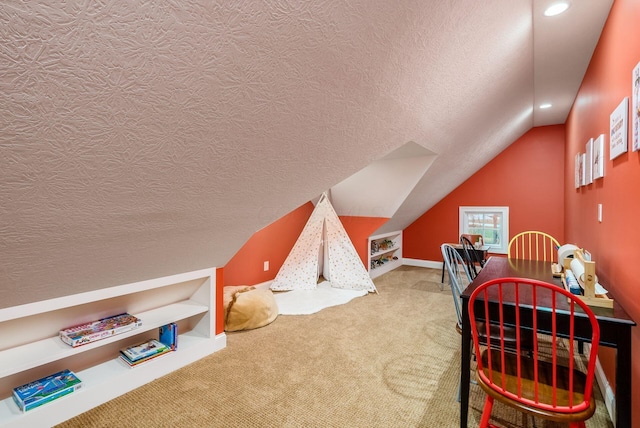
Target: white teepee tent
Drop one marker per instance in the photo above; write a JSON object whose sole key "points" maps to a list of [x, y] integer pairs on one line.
{"points": [[323, 247]]}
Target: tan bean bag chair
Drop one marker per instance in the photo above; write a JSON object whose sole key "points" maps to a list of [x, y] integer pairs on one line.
{"points": [[248, 307]]}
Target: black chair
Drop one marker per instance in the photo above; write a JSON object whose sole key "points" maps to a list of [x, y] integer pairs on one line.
{"points": [[459, 279], [471, 257]]}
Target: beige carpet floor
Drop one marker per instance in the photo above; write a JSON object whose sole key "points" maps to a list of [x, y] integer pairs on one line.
{"points": [[386, 360]]}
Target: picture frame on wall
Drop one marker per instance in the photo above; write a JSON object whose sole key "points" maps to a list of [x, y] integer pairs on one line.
{"points": [[578, 179], [618, 129], [598, 157], [583, 170], [588, 162], [635, 110]]}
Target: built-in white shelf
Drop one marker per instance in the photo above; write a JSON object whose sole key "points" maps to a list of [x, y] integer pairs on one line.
{"points": [[385, 253], [188, 299]]}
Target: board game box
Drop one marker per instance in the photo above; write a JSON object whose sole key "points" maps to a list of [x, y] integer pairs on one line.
{"points": [[96, 330], [41, 391]]}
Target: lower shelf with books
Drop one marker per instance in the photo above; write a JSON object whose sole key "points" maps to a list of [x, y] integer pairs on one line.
{"points": [[106, 381]]}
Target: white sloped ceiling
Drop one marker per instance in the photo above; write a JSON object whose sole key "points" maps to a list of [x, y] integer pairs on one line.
{"points": [[141, 139], [380, 188]]}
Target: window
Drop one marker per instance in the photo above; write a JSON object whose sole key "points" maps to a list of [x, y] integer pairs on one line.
{"points": [[490, 222]]}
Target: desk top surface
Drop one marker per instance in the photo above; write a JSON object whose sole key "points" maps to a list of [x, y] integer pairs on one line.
{"points": [[500, 267]]}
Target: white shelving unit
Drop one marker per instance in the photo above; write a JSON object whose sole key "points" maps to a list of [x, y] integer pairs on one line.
{"points": [[385, 253], [31, 349]]}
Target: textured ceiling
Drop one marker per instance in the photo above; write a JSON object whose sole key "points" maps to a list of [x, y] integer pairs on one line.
{"points": [[141, 139]]}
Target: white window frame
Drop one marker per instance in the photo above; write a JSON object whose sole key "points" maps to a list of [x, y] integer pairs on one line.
{"points": [[504, 236]]}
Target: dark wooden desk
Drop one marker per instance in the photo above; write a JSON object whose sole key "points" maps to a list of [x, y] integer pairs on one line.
{"points": [[615, 331], [481, 253]]}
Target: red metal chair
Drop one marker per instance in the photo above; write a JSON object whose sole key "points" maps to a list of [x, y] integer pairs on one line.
{"points": [[541, 385]]}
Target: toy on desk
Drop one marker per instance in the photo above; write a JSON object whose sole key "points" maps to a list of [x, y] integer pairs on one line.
{"points": [[556, 270], [578, 269], [573, 283], [564, 252]]}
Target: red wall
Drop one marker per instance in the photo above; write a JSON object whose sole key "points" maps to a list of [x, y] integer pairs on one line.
{"points": [[614, 243], [527, 177], [272, 243], [359, 229]]}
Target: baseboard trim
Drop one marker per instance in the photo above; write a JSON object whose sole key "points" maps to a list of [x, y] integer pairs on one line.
{"points": [[605, 388], [607, 393], [422, 263]]}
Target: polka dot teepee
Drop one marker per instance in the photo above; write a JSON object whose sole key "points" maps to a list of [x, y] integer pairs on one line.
{"points": [[323, 247]]}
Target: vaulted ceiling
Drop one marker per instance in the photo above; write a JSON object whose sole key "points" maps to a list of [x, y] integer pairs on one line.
{"points": [[142, 139]]}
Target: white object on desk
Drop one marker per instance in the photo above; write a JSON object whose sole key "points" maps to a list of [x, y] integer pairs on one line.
{"points": [[565, 252]]}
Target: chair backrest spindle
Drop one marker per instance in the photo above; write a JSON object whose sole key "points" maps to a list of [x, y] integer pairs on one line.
{"points": [[471, 257]]}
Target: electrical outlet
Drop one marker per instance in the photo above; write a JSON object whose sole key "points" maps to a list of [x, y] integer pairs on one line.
{"points": [[266, 266]]}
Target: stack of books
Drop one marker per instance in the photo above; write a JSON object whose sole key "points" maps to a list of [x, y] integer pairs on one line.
{"points": [[143, 352], [41, 391], [152, 348], [96, 330]]}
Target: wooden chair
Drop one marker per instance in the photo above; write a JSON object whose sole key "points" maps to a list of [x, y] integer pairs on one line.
{"points": [[540, 386], [534, 245]]}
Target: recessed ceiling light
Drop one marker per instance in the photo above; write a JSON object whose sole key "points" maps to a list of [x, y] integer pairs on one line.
{"points": [[545, 105], [556, 8]]}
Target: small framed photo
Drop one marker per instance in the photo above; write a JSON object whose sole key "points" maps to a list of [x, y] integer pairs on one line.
{"points": [[635, 110], [598, 157], [588, 162], [618, 129], [578, 181], [583, 169]]}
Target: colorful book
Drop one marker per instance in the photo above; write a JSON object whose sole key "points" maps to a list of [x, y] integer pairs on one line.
{"points": [[146, 349], [140, 361], [101, 329], [168, 335], [41, 391]]}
